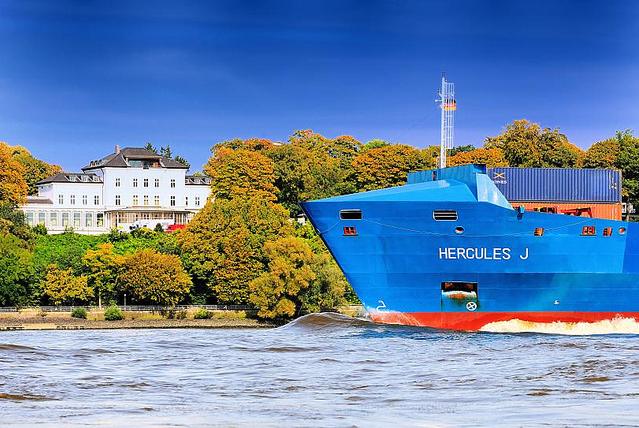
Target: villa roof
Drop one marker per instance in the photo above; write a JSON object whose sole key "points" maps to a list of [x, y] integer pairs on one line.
{"points": [[72, 177], [126, 157]]}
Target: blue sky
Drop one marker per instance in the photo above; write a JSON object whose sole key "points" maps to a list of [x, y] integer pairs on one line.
{"points": [[76, 78]]}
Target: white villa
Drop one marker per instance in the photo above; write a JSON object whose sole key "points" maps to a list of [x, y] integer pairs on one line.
{"points": [[128, 185]]}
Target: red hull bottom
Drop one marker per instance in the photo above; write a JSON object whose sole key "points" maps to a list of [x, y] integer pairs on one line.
{"points": [[470, 321]]}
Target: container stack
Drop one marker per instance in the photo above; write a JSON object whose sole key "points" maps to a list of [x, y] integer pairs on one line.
{"points": [[595, 192]]}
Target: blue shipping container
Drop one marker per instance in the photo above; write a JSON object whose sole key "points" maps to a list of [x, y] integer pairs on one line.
{"points": [[558, 184]]}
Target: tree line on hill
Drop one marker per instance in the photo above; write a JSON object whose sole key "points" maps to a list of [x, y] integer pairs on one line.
{"points": [[244, 246]]}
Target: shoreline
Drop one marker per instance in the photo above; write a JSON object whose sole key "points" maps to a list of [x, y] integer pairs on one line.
{"points": [[35, 319], [30, 324]]}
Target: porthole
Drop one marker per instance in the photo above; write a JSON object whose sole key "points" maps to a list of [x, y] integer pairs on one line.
{"points": [[459, 230], [622, 231]]}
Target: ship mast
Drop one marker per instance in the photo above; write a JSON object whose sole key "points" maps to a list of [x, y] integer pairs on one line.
{"points": [[448, 105]]}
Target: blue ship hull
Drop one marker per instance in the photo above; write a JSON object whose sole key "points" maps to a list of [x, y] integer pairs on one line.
{"points": [[452, 253]]}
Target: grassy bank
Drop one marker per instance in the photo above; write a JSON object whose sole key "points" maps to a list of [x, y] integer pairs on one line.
{"points": [[35, 319]]}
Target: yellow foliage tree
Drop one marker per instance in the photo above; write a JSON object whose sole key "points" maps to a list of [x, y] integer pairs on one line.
{"points": [[103, 267], [155, 277], [240, 172], [603, 154], [35, 169], [223, 245], [388, 165], [13, 186], [275, 292], [489, 157], [61, 286]]}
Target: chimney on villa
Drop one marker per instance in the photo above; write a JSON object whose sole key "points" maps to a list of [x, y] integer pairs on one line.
{"points": [[117, 149]]}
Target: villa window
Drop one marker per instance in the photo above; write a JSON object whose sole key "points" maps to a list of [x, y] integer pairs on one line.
{"points": [[88, 220], [197, 201], [96, 200], [146, 200], [53, 219], [41, 217], [99, 220], [173, 182], [172, 201], [72, 199], [61, 199], [156, 200], [76, 220], [146, 182], [65, 219], [117, 199], [85, 199], [135, 200], [157, 182], [186, 201], [135, 182], [117, 182]]}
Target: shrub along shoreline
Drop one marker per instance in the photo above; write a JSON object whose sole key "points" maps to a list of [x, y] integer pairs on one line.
{"points": [[96, 318]]}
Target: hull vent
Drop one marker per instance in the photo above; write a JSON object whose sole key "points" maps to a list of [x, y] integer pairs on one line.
{"points": [[445, 215]]}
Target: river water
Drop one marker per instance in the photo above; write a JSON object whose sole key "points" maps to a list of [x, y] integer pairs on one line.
{"points": [[322, 370]]}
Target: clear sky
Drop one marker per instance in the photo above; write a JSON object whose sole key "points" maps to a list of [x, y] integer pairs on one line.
{"points": [[76, 78]]}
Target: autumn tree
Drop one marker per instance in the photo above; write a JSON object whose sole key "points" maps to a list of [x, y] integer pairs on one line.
{"points": [[275, 292], [526, 144], [489, 157], [329, 289], [155, 277], [61, 286], [603, 154], [223, 245], [35, 169], [240, 172], [388, 166], [253, 144], [13, 184], [103, 267]]}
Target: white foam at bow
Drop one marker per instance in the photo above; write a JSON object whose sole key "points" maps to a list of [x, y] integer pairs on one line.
{"points": [[614, 326]]}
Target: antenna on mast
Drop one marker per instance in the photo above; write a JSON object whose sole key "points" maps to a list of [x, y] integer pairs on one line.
{"points": [[448, 105]]}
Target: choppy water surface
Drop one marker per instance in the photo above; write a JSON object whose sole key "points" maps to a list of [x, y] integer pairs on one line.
{"points": [[322, 370]]}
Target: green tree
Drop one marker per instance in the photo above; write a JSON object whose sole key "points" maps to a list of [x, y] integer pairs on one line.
{"points": [[222, 246], [526, 144], [628, 162], [374, 144], [302, 173], [16, 270], [155, 277], [461, 149], [388, 166], [61, 286], [12, 221], [275, 292]]}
